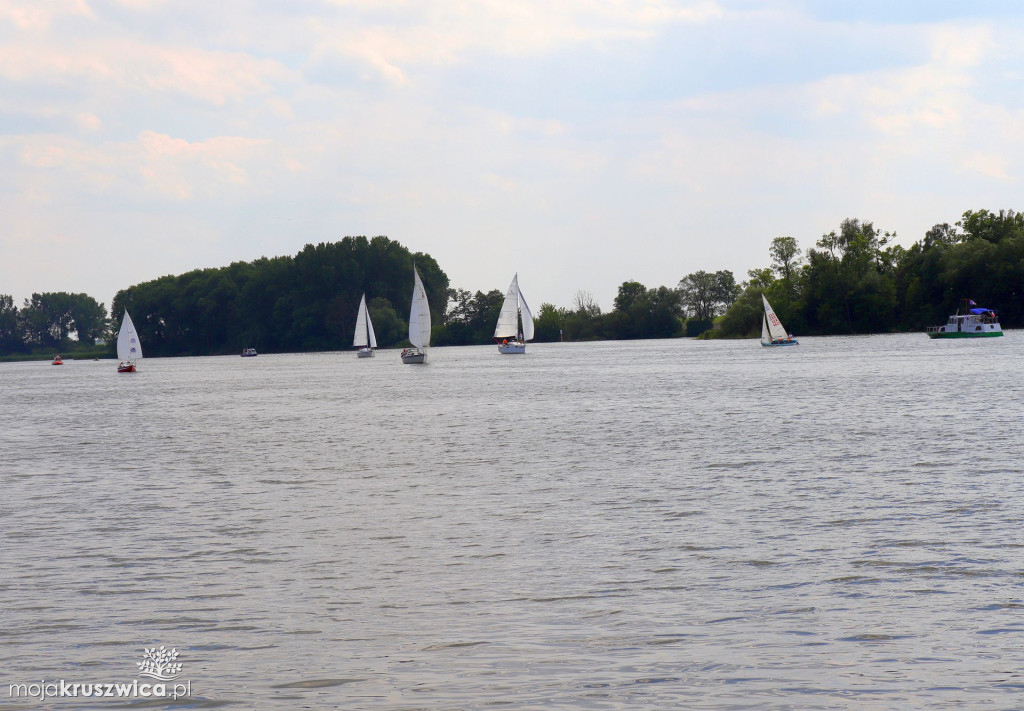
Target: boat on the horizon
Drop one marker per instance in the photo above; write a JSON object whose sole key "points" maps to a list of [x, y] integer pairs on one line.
{"points": [[129, 349], [772, 332], [975, 322], [249, 353], [365, 339], [57, 360], [419, 323], [508, 334]]}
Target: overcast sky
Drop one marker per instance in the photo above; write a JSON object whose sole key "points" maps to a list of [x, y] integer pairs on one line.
{"points": [[580, 143]]}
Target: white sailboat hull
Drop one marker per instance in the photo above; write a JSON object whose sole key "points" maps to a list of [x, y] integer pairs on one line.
{"points": [[365, 353], [414, 355], [512, 347], [793, 342]]}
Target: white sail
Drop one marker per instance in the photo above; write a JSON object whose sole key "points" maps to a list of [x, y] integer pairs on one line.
{"points": [[765, 336], [524, 311], [508, 319], [128, 346], [775, 329], [369, 328], [364, 328], [419, 314]]}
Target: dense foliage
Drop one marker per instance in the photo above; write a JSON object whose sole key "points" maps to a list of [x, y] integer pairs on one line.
{"points": [[285, 304], [854, 281], [470, 319], [639, 312], [55, 321]]}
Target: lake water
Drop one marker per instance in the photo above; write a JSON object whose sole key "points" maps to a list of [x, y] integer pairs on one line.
{"points": [[658, 524]]}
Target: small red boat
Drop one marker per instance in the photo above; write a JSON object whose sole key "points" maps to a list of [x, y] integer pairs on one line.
{"points": [[128, 367], [57, 361]]}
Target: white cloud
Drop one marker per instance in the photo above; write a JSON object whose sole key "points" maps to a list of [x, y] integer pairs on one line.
{"points": [[35, 15], [215, 77], [450, 29], [486, 128]]}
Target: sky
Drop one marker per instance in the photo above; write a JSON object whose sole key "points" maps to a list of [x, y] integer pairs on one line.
{"points": [[580, 143]]}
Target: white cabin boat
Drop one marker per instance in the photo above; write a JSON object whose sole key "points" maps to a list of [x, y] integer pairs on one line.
{"points": [[512, 338], [365, 339], [419, 323], [975, 322]]}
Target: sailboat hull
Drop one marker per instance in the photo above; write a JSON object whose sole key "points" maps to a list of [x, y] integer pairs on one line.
{"points": [[413, 355], [128, 368], [512, 347], [365, 353], [794, 342]]}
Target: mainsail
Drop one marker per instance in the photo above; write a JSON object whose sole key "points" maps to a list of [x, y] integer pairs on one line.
{"points": [[419, 314], [771, 324], [512, 309], [128, 346], [364, 328]]}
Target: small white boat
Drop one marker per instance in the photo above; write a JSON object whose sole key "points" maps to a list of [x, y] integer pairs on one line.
{"points": [[976, 322], [419, 323], [772, 332], [508, 334], [249, 353], [365, 339], [129, 349]]}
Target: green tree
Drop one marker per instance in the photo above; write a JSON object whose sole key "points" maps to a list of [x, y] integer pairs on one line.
{"points": [[644, 313], [705, 294], [388, 326], [470, 318], [49, 319], [991, 227], [549, 323], [785, 253], [629, 293], [301, 303], [11, 339]]}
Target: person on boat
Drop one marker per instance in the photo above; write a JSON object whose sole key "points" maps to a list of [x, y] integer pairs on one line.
{"points": [[504, 341]]}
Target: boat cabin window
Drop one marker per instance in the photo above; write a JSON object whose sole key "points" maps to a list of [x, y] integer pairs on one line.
{"points": [[952, 320]]}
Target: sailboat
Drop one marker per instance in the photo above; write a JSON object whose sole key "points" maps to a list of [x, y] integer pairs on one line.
{"points": [[129, 349], [419, 323], [365, 339], [507, 333], [772, 332]]}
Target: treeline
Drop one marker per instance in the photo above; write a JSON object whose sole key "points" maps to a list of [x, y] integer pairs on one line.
{"points": [[285, 304], [638, 312], [55, 321], [855, 281], [282, 304]]}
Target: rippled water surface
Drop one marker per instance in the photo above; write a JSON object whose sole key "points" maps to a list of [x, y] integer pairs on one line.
{"points": [[658, 524]]}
